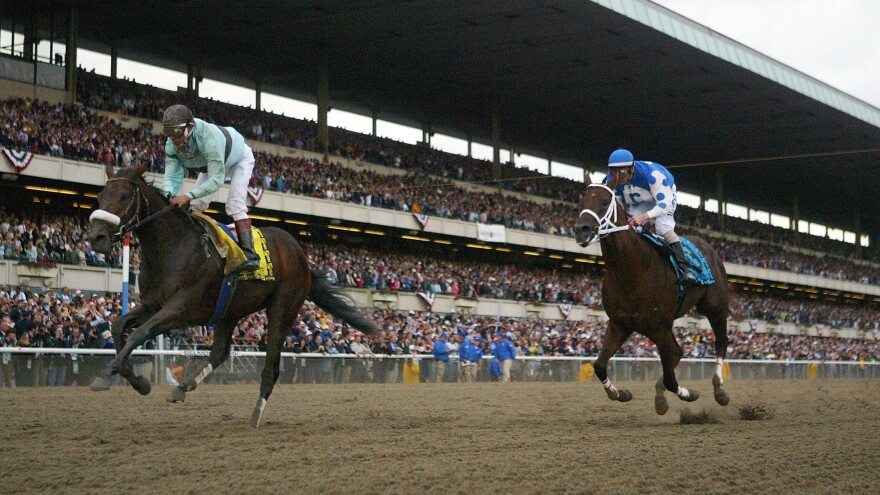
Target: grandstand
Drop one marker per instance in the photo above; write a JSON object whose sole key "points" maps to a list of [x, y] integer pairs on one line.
{"points": [[350, 197]]}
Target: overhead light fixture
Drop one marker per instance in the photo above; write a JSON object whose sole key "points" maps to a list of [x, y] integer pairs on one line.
{"points": [[478, 246], [442, 241], [415, 238], [347, 229], [556, 256], [261, 217], [295, 222], [374, 232], [51, 190], [531, 253], [503, 249]]}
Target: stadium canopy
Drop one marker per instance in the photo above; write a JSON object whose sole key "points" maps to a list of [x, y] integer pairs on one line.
{"points": [[568, 79]]}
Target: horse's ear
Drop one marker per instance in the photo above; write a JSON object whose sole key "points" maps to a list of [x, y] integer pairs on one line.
{"points": [[108, 169], [140, 169]]}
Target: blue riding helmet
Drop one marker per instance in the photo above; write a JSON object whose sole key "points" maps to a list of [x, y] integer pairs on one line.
{"points": [[620, 158]]}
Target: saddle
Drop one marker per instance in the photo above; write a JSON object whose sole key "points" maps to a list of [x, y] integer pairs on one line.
{"points": [[700, 267], [226, 243]]}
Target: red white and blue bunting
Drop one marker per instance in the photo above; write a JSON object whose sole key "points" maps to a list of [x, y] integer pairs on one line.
{"points": [[422, 219], [255, 194], [428, 298], [18, 159], [565, 309]]}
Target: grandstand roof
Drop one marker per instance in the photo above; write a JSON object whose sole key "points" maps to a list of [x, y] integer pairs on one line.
{"points": [[572, 79]]}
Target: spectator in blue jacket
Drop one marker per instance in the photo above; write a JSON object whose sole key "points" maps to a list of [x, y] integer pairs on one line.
{"points": [[441, 357], [475, 356], [505, 353]]}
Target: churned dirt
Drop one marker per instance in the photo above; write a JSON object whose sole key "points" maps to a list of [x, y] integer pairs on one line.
{"points": [[445, 438]]}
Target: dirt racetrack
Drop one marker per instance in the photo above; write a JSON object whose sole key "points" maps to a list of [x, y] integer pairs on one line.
{"points": [[446, 438]]}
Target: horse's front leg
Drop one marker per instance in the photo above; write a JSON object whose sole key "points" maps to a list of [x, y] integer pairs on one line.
{"points": [[615, 336], [162, 321], [120, 326]]}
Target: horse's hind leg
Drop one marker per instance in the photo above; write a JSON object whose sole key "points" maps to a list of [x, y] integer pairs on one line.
{"points": [[615, 336], [196, 373], [281, 313], [719, 327], [670, 355]]}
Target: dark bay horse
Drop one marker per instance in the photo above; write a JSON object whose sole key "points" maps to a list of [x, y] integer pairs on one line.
{"points": [[181, 277], [640, 293]]}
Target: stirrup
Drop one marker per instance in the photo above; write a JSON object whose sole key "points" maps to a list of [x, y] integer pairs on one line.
{"points": [[249, 265], [687, 281]]}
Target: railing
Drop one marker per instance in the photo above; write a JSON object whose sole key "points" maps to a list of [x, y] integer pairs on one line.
{"points": [[57, 367]]}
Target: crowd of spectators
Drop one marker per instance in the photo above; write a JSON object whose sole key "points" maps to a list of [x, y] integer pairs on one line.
{"points": [[76, 131], [71, 319], [34, 237]]}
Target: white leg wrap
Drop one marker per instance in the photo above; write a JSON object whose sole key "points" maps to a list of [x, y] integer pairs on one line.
{"points": [[719, 365], [683, 393], [608, 386], [205, 372]]}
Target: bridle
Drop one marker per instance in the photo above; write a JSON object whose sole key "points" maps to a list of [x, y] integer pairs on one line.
{"points": [[607, 224], [134, 221]]}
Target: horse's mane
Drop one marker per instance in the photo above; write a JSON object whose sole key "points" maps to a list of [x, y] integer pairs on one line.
{"points": [[124, 172]]}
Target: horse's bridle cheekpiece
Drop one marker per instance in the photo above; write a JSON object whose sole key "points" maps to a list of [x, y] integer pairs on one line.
{"points": [[607, 223], [134, 221]]}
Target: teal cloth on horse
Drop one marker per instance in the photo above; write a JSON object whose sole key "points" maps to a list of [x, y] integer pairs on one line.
{"points": [[698, 262]]}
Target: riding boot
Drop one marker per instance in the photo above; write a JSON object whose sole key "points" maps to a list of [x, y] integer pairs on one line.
{"points": [[687, 277], [246, 243]]}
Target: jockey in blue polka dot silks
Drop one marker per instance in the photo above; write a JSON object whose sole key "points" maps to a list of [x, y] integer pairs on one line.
{"points": [[648, 190]]}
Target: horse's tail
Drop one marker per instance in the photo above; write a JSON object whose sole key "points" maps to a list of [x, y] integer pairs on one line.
{"points": [[339, 304]]}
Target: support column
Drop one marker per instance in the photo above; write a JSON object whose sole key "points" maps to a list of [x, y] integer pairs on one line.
{"points": [[795, 220], [470, 141], [114, 60], [549, 166], [512, 156], [197, 79], [375, 116], [190, 70], [323, 104], [71, 45], [496, 144], [258, 94], [719, 187], [30, 34]]}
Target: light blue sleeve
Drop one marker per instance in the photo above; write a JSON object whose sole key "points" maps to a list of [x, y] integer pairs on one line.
{"points": [[173, 177], [211, 143]]}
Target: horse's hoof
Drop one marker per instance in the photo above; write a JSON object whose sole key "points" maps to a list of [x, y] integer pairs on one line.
{"points": [[141, 384], [660, 405], [694, 395], [177, 395], [624, 396], [100, 383], [721, 397]]}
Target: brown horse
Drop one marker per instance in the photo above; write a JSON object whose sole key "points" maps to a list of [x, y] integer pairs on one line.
{"points": [[640, 293], [181, 277]]}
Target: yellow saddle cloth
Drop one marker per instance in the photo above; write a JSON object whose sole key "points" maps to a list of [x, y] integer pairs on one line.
{"points": [[234, 256]]}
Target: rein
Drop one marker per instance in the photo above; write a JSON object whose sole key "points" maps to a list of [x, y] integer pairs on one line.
{"points": [[608, 222]]}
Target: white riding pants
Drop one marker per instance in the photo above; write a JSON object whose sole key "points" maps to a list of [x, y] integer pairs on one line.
{"points": [[239, 176]]}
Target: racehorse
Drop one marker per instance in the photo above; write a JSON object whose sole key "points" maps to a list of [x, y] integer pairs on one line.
{"points": [[640, 293], [180, 279]]}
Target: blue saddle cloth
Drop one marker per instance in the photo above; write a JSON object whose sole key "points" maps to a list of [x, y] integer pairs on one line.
{"points": [[701, 270]]}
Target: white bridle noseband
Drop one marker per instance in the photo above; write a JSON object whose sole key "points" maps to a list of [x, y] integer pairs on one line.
{"points": [[607, 223], [115, 220]]}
